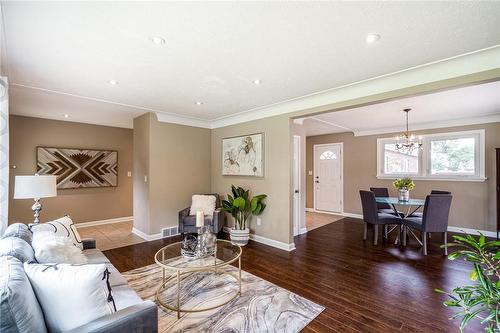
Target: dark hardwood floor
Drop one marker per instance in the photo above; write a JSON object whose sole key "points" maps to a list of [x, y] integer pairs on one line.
{"points": [[364, 288]]}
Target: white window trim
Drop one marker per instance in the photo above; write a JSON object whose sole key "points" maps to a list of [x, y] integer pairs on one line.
{"points": [[424, 158]]}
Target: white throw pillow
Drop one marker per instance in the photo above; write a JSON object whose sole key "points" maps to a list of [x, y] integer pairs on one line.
{"points": [[63, 227], [52, 248], [202, 203], [70, 295]]}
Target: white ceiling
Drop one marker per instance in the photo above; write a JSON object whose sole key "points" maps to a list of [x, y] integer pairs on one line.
{"points": [[60, 55], [467, 105]]}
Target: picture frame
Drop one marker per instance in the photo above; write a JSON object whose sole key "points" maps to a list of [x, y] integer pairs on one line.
{"points": [[243, 155]]}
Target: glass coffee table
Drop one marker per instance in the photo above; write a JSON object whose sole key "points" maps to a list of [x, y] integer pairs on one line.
{"points": [[171, 262]]}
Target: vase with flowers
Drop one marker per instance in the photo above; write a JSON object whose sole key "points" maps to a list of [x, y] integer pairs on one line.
{"points": [[404, 186]]}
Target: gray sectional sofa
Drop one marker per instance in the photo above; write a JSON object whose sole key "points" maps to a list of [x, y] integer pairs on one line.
{"points": [[19, 308]]}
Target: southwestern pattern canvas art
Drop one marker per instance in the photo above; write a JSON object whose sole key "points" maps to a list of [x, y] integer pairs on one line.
{"points": [[243, 155], [78, 168]]}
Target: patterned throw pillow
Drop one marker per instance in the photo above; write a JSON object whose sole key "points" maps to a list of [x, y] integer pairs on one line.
{"points": [[61, 227]]}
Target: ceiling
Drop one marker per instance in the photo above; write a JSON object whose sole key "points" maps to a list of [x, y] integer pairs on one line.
{"points": [[463, 106], [61, 55]]}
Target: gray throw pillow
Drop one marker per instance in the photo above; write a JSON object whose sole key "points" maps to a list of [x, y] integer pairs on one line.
{"points": [[17, 248], [19, 230], [19, 308]]}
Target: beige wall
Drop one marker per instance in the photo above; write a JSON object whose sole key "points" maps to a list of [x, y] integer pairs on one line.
{"points": [[176, 159], [276, 181], [83, 205], [473, 203]]}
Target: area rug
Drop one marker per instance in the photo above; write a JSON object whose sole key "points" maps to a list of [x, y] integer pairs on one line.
{"points": [[262, 306]]}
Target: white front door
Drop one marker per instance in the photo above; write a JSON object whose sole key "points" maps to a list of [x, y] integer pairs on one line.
{"points": [[328, 177], [296, 185]]}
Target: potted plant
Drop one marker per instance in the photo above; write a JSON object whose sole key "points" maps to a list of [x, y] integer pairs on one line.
{"points": [[404, 185], [241, 208], [481, 300]]}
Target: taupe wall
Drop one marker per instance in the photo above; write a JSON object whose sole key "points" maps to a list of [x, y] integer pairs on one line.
{"points": [[83, 205], [276, 181], [473, 203], [176, 159]]}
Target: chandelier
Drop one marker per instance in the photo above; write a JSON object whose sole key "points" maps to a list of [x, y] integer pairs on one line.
{"points": [[406, 142]]}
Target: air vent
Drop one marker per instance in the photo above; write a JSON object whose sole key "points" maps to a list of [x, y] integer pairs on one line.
{"points": [[169, 232]]}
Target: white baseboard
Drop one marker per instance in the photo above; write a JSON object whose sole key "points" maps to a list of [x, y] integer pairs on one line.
{"points": [[145, 236], [101, 222], [356, 216], [302, 231], [472, 231], [268, 241], [310, 210]]}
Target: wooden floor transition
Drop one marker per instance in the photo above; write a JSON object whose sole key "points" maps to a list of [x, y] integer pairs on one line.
{"points": [[364, 288]]}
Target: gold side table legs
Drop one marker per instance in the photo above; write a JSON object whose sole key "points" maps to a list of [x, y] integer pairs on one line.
{"points": [[178, 295]]}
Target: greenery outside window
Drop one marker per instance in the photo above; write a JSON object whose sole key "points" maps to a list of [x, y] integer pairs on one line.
{"points": [[445, 156]]}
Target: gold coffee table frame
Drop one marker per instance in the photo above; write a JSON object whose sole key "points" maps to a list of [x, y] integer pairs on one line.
{"points": [[181, 272]]}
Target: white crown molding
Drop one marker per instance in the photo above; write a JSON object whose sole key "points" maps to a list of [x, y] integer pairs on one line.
{"points": [[490, 118], [182, 120], [461, 65]]}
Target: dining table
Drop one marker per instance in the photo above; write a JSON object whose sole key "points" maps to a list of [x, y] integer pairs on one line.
{"points": [[410, 207]]}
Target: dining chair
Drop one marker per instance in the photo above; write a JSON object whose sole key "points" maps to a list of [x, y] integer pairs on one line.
{"points": [[384, 193], [372, 216], [433, 219], [419, 214]]}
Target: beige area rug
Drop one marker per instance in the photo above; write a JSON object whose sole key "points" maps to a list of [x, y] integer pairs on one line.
{"points": [[262, 306]]}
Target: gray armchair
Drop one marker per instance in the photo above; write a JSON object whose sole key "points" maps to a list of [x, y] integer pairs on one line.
{"points": [[187, 223]]}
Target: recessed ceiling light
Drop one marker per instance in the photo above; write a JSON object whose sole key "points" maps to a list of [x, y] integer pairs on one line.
{"points": [[113, 82], [199, 103], [256, 82], [158, 40], [66, 116], [372, 38]]}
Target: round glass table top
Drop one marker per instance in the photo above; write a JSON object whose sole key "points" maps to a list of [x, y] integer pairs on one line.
{"points": [[170, 257], [396, 201]]}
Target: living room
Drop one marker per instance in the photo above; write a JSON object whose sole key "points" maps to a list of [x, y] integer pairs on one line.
{"points": [[174, 146]]}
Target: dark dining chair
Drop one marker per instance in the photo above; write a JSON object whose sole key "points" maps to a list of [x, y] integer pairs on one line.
{"points": [[372, 216], [384, 193], [433, 219], [419, 214]]}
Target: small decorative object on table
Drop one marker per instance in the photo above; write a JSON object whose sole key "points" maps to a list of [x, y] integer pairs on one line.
{"points": [[201, 246], [404, 185]]}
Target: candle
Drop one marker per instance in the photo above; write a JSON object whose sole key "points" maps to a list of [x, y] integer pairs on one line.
{"points": [[200, 219]]}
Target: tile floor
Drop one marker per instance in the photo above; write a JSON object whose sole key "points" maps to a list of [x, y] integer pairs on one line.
{"points": [[110, 236], [316, 220]]}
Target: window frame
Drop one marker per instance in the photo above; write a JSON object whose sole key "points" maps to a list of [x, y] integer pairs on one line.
{"points": [[424, 157]]}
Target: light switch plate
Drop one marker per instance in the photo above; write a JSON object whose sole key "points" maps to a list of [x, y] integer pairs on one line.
{"points": [[259, 221], [145, 178], [310, 173], [129, 173]]}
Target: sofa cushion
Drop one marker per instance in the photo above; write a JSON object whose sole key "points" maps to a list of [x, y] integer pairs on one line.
{"points": [[52, 248], [63, 226], [19, 230], [70, 295], [125, 296], [16, 247], [19, 308]]}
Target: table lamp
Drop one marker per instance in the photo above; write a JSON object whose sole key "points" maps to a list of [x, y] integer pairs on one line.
{"points": [[35, 187]]}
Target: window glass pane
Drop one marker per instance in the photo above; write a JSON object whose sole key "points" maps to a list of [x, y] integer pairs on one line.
{"points": [[453, 156], [397, 162], [328, 155]]}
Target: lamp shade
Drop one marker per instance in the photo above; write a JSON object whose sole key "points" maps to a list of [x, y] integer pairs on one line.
{"points": [[31, 187]]}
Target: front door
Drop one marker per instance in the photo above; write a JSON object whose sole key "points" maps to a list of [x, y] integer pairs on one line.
{"points": [[328, 177]]}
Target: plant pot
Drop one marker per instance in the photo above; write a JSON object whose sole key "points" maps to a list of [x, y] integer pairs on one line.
{"points": [[404, 195], [240, 237]]}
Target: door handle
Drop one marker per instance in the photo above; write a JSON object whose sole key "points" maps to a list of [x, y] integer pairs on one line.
{"points": [[317, 181], [296, 191]]}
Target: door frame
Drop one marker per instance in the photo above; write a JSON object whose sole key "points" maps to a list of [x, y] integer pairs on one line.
{"points": [[297, 216], [341, 145]]}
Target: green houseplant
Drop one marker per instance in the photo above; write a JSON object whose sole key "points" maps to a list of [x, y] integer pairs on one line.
{"points": [[482, 299], [242, 207], [404, 185]]}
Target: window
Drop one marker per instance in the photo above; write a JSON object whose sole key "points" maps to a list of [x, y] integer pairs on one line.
{"points": [[328, 155], [446, 156]]}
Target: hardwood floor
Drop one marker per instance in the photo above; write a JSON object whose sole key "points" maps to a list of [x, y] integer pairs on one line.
{"points": [[364, 288]]}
